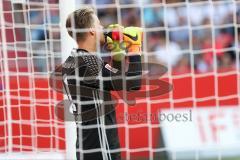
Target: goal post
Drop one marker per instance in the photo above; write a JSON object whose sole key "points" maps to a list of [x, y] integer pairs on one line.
{"points": [[67, 44]]}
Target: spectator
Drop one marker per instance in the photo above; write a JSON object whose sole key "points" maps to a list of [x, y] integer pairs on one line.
{"points": [[131, 17], [227, 61], [167, 53], [183, 66], [153, 17], [201, 65]]}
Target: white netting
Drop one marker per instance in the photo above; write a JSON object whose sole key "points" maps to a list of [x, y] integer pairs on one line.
{"points": [[30, 49], [197, 41]]}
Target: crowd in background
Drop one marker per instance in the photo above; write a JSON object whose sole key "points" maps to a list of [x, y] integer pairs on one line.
{"points": [[200, 35]]}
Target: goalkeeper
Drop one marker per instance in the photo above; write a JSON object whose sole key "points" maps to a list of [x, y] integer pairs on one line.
{"points": [[97, 138]]}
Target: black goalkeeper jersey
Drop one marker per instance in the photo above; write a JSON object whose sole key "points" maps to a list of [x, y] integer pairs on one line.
{"points": [[88, 81]]}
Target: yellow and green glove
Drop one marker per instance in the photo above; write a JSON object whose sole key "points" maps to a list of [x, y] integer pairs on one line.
{"points": [[114, 41], [120, 40], [133, 36]]}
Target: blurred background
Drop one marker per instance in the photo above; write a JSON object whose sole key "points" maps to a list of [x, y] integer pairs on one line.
{"points": [[198, 42], [168, 27]]}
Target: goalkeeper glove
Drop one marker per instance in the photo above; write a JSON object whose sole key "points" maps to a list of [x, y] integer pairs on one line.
{"points": [[114, 41], [132, 36]]}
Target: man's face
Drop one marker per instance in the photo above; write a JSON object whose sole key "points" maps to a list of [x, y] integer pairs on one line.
{"points": [[99, 30]]}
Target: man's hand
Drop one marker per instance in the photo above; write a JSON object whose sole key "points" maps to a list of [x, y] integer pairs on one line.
{"points": [[132, 36], [114, 41], [120, 39]]}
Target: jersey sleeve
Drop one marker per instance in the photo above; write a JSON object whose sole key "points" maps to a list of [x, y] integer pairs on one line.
{"points": [[95, 74], [122, 75]]}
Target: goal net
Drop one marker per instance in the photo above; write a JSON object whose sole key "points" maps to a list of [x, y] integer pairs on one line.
{"points": [[191, 110]]}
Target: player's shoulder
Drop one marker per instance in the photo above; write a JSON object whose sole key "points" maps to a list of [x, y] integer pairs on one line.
{"points": [[82, 58], [87, 57], [73, 60], [70, 62]]}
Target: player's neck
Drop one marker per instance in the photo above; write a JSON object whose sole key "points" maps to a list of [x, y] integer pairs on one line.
{"points": [[88, 45]]}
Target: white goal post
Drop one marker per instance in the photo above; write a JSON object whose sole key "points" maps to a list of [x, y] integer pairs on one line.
{"points": [[68, 44]]}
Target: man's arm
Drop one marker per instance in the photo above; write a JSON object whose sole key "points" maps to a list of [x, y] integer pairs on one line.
{"points": [[121, 77], [118, 78]]}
